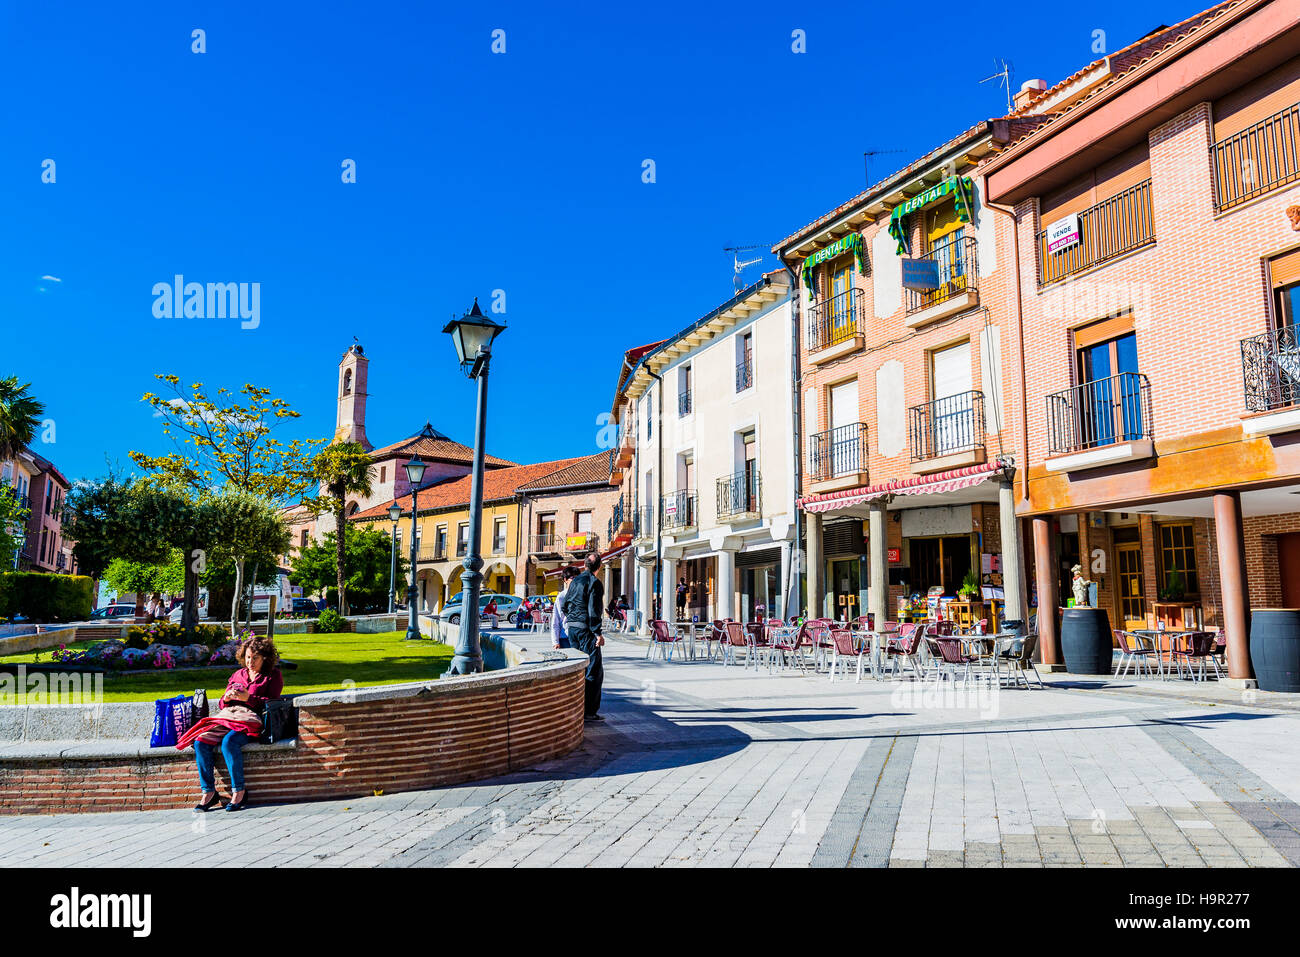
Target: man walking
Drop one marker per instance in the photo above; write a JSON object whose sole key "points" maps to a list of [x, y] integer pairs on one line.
{"points": [[583, 606]]}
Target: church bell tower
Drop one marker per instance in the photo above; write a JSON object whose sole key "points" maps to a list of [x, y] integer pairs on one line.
{"points": [[350, 423]]}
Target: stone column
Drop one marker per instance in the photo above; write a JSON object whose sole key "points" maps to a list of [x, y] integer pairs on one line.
{"points": [[668, 599], [1013, 565], [813, 537], [1232, 582], [786, 603], [1045, 574], [625, 583], [645, 596], [877, 563], [726, 597]]}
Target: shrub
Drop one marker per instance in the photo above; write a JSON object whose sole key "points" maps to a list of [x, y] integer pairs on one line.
{"points": [[38, 596], [330, 622]]}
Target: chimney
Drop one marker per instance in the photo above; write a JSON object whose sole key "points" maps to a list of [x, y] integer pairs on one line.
{"points": [[1028, 90]]}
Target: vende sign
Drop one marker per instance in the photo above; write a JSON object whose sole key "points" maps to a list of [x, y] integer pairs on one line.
{"points": [[1063, 233]]}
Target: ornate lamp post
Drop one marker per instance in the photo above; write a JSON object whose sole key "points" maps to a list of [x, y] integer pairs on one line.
{"points": [[472, 335], [394, 513], [414, 473]]}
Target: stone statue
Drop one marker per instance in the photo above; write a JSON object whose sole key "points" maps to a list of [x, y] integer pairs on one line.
{"points": [[1080, 587]]}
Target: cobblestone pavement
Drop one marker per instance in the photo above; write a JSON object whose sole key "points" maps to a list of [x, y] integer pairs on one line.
{"points": [[701, 764]]}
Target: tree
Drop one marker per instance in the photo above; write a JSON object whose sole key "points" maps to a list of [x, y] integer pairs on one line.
{"points": [[13, 519], [342, 469], [20, 414], [220, 441], [243, 524], [369, 563], [143, 577]]}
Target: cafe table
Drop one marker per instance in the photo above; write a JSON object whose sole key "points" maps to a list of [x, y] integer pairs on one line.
{"points": [[687, 629], [1156, 636]]}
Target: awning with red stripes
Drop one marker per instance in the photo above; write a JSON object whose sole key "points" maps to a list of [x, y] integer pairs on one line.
{"points": [[917, 485]]}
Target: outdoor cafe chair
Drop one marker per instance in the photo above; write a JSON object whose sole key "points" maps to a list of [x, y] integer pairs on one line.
{"points": [[1197, 646], [1134, 653], [736, 638], [1019, 658], [905, 652], [717, 631], [844, 648], [538, 620], [662, 639], [784, 641], [758, 638], [819, 635], [951, 657]]}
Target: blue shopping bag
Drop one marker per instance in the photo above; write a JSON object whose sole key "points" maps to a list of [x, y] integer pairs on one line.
{"points": [[171, 719]]}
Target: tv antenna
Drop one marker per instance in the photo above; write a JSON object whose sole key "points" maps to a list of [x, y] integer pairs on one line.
{"points": [[866, 174], [1005, 75], [739, 265]]}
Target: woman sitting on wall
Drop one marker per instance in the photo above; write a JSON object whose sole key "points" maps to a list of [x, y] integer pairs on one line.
{"points": [[238, 720]]}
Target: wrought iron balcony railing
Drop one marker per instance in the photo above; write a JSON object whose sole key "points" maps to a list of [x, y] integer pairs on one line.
{"points": [[835, 320], [839, 451], [740, 495], [1111, 228], [678, 510], [643, 524], [430, 553], [1270, 369], [1101, 412], [744, 373], [1258, 159], [958, 272], [684, 403], [947, 426]]}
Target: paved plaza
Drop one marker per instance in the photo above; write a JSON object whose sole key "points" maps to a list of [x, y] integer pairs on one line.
{"points": [[698, 764]]}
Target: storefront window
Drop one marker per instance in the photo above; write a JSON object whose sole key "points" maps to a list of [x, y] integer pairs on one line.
{"points": [[1178, 562]]}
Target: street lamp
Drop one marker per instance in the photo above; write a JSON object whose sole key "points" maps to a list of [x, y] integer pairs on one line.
{"points": [[414, 473], [472, 334], [394, 513]]}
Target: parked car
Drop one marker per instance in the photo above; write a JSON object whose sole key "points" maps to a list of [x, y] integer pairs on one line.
{"points": [[507, 607], [115, 610], [305, 606]]}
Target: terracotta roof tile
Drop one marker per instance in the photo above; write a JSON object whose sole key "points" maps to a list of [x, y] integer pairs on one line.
{"points": [[498, 484], [593, 470], [432, 445]]}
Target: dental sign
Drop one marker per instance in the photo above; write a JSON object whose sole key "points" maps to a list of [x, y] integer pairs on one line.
{"points": [[1063, 233]]}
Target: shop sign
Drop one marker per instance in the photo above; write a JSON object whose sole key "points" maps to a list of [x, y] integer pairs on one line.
{"points": [[922, 274], [1063, 233], [895, 555]]}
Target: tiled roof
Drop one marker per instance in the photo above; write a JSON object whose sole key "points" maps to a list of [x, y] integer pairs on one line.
{"points": [[432, 445], [498, 484], [593, 470]]}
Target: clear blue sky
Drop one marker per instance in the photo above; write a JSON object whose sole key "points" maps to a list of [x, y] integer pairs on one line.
{"points": [[475, 172]]}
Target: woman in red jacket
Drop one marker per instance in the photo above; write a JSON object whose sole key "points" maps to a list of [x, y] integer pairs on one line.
{"points": [[251, 686]]}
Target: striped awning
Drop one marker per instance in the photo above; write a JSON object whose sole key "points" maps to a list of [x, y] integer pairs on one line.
{"points": [[918, 485]]}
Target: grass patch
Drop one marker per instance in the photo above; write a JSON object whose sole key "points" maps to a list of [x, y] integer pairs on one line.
{"points": [[324, 662]]}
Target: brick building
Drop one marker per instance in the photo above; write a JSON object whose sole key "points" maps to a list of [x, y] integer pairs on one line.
{"points": [[1158, 267]]}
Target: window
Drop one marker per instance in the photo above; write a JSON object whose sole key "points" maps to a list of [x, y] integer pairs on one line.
{"points": [[440, 541], [498, 536], [1178, 561], [582, 521], [1109, 407], [354, 508], [462, 538], [383, 473], [684, 390], [347, 382], [546, 530], [303, 538], [951, 420], [744, 361]]}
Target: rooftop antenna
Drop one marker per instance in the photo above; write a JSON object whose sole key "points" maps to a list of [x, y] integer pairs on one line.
{"points": [[1004, 75], [739, 265], [866, 173]]}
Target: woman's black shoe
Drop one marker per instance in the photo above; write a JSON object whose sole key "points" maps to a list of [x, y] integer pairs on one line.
{"points": [[208, 804], [233, 806]]}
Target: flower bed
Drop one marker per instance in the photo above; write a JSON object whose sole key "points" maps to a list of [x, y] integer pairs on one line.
{"points": [[158, 646]]}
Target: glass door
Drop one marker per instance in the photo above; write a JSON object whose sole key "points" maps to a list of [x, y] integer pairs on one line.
{"points": [[844, 588], [1128, 559], [841, 317], [1109, 408]]}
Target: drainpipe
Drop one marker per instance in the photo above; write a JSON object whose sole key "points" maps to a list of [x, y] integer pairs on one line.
{"points": [[659, 474], [1020, 330], [793, 594]]}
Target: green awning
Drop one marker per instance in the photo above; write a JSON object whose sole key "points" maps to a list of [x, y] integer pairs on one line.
{"points": [[962, 187], [850, 243]]}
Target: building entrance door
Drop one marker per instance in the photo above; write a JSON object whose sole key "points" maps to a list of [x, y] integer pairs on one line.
{"points": [[1132, 607], [1288, 555], [844, 588]]}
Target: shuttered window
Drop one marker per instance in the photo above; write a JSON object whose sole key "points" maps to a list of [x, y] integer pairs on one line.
{"points": [[950, 371], [1285, 269], [843, 538], [1257, 100]]}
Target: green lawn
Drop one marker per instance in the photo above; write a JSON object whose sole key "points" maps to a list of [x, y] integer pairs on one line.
{"points": [[324, 662]]}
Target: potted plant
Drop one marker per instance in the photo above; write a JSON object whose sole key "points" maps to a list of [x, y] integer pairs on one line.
{"points": [[970, 587]]}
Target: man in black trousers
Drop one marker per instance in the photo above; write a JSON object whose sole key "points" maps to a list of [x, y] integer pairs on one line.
{"points": [[584, 605]]}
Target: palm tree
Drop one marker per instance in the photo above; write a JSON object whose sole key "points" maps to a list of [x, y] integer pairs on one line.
{"points": [[20, 414], [343, 469]]}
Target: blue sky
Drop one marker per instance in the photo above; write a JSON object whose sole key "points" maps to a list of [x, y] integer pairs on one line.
{"points": [[475, 171]]}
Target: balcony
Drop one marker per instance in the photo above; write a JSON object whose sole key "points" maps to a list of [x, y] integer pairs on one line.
{"points": [[837, 458], [643, 522], [948, 433], [431, 553], [740, 496], [1257, 160], [683, 403], [744, 373], [462, 549], [1112, 228], [1103, 422], [836, 326], [1270, 378], [958, 288], [679, 512]]}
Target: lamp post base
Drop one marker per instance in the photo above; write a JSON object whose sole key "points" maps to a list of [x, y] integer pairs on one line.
{"points": [[465, 665]]}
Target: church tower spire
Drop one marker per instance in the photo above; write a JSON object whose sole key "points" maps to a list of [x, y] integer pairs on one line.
{"points": [[350, 423]]}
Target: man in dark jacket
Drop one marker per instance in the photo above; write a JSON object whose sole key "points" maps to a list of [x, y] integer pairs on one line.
{"points": [[584, 605]]}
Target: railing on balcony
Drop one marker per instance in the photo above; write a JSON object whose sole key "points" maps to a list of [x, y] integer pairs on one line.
{"points": [[684, 403], [1112, 228], [744, 373], [462, 549], [835, 320], [839, 451], [1258, 159], [679, 510], [740, 494], [1270, 369], [429, 553], [643, 521], [615, 520], [958, 273], [948, 426], [545, 542], [1101, 412]]}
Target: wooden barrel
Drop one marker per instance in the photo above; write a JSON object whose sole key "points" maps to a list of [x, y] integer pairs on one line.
{"points": [[1086, 641], [1275, 648]]}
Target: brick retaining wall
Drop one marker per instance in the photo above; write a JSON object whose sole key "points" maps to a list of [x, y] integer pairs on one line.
{"points": [[350, 744]]}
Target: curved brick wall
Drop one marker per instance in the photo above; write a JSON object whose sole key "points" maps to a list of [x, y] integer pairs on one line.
{"points": [[350, 743]]}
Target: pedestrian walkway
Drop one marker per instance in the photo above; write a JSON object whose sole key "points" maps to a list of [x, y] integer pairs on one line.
{"points": [[701, 764]]}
